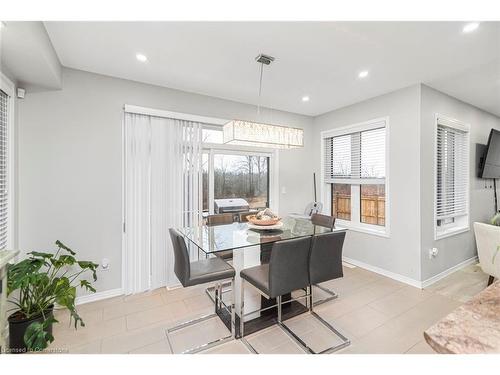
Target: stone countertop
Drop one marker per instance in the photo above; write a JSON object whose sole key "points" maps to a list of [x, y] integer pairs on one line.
{"points": [[473, 328], [6, 256]]}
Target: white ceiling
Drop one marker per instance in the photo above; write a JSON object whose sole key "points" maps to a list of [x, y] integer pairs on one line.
{"points": [[318, 59]]}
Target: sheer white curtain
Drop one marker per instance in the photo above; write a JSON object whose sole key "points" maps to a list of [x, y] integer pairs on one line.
{"points": [[162, 190]]}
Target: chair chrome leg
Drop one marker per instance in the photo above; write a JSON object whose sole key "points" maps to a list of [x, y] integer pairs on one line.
{"points": [[332, 294], [311, 302], [233, 313], [278, 301], [210, 291], [242, 308], [218, 304], [345, 340]]}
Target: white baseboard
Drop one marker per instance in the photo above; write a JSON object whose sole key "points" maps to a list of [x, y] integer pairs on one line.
{"points": [[449, 271], [383, 272], [99, 296]]}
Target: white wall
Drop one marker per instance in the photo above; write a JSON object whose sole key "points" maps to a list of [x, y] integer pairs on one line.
{"points": [[458, 248], [399, 254], [70, 161]]}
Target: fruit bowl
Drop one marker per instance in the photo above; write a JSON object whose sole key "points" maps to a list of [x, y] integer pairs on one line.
{"points": [[264, 222]]}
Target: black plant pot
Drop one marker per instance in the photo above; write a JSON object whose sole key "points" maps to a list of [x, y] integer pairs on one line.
{"points": [[18, 326]]}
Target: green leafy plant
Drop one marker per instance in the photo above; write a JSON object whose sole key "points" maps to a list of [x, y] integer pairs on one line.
{"points": [[43, 280]]}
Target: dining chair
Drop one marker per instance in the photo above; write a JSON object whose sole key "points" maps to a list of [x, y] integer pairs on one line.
{"points": [[326, 222], [244, 216], [196, 273], [325, 264], [215, 220], [286, 272], [323, 220], [220, 219]]}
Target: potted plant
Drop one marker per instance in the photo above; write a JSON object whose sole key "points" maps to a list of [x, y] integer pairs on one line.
{"points": [[35, 285]]}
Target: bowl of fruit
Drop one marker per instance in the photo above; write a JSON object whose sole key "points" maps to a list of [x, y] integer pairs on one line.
{"points": [[264, 218]]}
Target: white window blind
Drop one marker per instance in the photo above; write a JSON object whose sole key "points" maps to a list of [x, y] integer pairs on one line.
{"points": [[452, 172], [4, 101], [357, 157]]}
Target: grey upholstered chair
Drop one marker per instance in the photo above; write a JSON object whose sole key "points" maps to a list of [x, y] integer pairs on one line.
{"points": [[201, 272], [220, 219], [286, 271], [244, 216], [326, 222], [323, 220], [325, 263]]}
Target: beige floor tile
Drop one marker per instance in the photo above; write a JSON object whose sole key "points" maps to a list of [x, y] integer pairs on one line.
{"points": [[286, 348], [361, 321], [266, 340], [232, 347], [100, 304], [135, 339], [378, 314], [199, 334], [89, 333], [400, 301], [93, 347], [421, 348], [136, 305], [159, 347], [164, 313], [198, 302], [350, 301], [88, 316]]}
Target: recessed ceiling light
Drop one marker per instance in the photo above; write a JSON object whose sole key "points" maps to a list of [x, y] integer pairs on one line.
{"points": [[363, 74], [470, 27], [305, 98], [141, 57]]}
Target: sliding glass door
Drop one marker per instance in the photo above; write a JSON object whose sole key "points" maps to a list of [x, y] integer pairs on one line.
{"points": [[229, 174]]}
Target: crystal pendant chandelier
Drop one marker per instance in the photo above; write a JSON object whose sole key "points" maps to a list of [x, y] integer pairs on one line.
{"points": [[250, 133]]}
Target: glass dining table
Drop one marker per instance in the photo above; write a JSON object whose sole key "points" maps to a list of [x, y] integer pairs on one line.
{"points": [[250, 246]]}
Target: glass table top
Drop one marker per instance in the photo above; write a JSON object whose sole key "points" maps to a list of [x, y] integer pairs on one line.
{"points": [[212, 239]]}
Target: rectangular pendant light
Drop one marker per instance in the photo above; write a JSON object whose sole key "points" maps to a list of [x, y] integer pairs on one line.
{"points": [[248, 133]]}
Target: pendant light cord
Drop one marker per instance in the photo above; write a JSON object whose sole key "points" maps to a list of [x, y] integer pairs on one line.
{"points": [[260, 87]]}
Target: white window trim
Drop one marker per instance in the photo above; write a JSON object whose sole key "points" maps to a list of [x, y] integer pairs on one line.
{"points": [[7, 86], [325, 188], [464, 225]]}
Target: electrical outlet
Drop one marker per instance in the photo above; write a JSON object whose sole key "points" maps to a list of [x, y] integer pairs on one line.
{"points": [[105, 264], [433, 252]]}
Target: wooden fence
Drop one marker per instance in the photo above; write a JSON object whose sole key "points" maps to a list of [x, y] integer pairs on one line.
{"points": [[372, 208]]}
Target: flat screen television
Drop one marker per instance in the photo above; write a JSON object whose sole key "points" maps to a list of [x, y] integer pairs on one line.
{"points": [[490, 167]]}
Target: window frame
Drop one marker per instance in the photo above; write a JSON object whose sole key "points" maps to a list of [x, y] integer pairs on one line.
{"points": [[463, 224], [220, 148], [7, 86], [355, 223]]}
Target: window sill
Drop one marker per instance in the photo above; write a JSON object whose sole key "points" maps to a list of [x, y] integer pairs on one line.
{"points": [[341, 224], [444, 233]]}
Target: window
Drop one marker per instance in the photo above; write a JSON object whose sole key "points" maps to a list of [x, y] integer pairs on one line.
{"points": [[242, 176], [355, 175], [4, 115], [6, 162], [235, 172], [452, 177]]}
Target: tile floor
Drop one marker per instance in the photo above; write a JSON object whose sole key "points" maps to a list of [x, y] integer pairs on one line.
{"points": [[378, 315]]}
